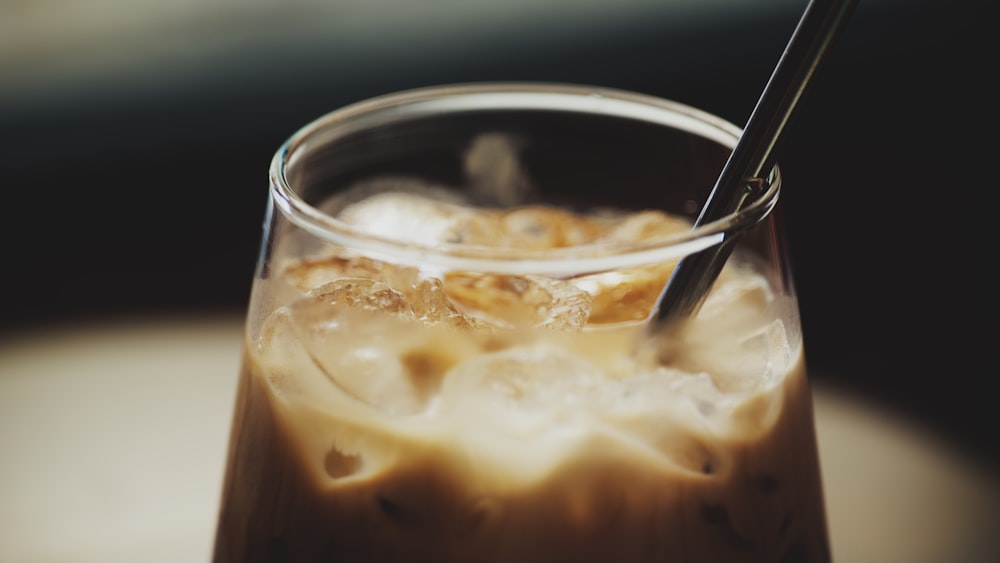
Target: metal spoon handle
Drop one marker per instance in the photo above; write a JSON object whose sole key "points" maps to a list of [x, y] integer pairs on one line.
{"points": [[753, 158]]}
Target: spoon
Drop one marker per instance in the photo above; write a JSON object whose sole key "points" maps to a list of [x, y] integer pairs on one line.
{"points": [[753, 157]]}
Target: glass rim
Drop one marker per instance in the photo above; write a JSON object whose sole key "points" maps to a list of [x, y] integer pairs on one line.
{"points": [[484, 96]]}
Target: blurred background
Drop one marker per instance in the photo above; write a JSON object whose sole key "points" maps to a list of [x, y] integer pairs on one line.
{"points": [[135, 138]]}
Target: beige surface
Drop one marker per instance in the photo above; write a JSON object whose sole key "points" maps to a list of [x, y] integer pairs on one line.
{"points": [[112, 440]]}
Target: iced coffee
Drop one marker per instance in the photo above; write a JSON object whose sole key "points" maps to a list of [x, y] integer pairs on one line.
{"points": [[513, 403]]}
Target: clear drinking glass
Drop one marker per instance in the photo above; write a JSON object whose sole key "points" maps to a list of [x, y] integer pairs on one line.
{"points": [[448, 358]]}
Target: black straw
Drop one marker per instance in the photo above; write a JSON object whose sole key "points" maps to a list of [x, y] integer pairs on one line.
{"points": [[752, 160]]}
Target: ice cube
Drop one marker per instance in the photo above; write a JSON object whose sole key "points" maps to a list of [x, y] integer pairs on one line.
{"points": [[645, 226], [768, 357], [733, 333], [352, 329], [625, 295], [357, 293], [372, 373], [629, 295], [751, 363], [527, 228], [426, 296], [482, 228], [518, 301], [523, 386], [669, 411], [281, 354], [737, 299], [432, 305], [542, 228], [663, 390], [404, 217], [309, 274]]}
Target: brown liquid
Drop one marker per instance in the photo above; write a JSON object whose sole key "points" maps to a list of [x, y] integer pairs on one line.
{"points": [[754, 498]]}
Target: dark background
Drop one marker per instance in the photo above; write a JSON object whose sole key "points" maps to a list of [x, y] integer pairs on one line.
{"points": [[138, 186]]}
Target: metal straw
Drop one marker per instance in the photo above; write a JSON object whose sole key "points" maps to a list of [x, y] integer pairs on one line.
{"points": [[753, 158]]}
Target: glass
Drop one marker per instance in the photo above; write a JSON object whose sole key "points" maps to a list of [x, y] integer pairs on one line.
{"points": [[447, 356]]}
